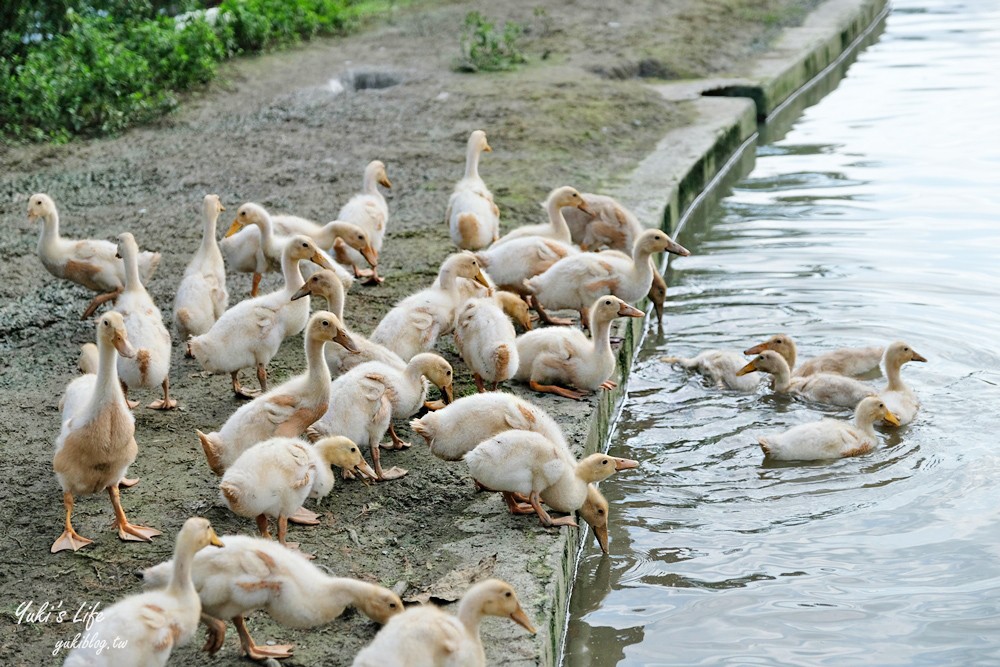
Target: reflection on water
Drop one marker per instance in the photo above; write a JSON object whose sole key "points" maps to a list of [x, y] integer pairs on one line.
{"points": [[875, 218]]}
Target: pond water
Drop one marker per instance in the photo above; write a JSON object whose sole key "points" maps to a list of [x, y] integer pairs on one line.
{"points": [[875, 218]]}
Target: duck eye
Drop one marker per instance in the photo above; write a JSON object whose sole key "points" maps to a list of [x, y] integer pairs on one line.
{"points": [[353, 449], [326, 323], [607, 303], [106, 323], [392, 605], [604, 462], [448, 373], [507, 594]]}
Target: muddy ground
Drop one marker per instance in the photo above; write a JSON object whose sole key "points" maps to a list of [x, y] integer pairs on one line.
{"points": [[274, 131]]}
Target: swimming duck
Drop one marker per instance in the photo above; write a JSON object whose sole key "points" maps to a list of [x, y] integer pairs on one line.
{"points": [[274, 477], [825, 388], [554, 357], [364, 400], [253, 573], [96, 444], [414, 324], [574, 282], [202, 297], [898, 397], [556, 228], [150, 367], [604, 223], [473, 218], [367, 210], [849, 361], [252, 246], [91, 263], [288, 409], [142, 630], [250, 333], [325, 284], [486, 341], [529, 464], [426, 636], [722, 367], [830, 438]]}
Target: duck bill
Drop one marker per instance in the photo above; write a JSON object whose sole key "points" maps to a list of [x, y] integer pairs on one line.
{"points": [[756, 349], [447, 394], [384, 181], [891, 418], [626, 310], [213, 539], [583, 207], [221, 207], [366, 470], [320, 258], [917, 357], [525, 321], [233, 228], [487, 148], [601, 533], [370, 255], [124, 347], [345, 341], [677, 249], [522, 619], [658, 308], [625, 464], [303, 291], [749, 368], [481, 279], [32, 216]]}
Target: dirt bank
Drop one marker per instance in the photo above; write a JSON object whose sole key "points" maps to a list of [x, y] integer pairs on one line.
{"points": [[275, 131]]}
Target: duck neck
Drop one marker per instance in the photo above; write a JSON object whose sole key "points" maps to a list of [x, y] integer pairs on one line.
{"points": [[107, 388], [470, 612], [558, 221], [335, 594], [180, 580], [132, 280], [330, 232], [266, 228], [781, 379], [472, 162], [50, 232], [415, 376], [208, 240], [292, 273], [370, 184], [866, 425], [642, 261], [601, 332], [449, 282], [335, 303], [892, 371], [792, 355], [317, 371]]}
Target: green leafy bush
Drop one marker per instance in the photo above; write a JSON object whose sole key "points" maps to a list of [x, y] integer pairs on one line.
{"points": [[485, 48]]}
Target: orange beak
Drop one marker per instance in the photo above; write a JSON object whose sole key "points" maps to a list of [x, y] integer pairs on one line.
{"points": [[370, 255], [233, 228], [319, 258], [522, 619], [625, 464], [757, 349], [626, 310], [749, 368], [384, 181], [916, 357], [345, 341], [601, 533], [487, 149], [583, 207]]}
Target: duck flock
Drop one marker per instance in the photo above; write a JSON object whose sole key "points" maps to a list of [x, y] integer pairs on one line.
{"points": [[279, 448]]}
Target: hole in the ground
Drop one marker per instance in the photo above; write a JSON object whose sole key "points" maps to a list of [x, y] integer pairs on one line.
{"points": [[368, 79], [648, 68]]}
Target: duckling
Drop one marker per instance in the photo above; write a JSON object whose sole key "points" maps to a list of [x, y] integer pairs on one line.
{"points": [[486, 340], [473, 218], [88, 362], [414, 324], [251, 246], [253, 573], [142, 630], [826, 388], [425, 636], [367, 210], [898, 397], [151, 365], [96, 444], [512, 262], [202, 297], [830, 438], [456, 429], [274, 477], [552, 357], [556, 228], [288, 409], [604, 224], [574, 282], [849, 361], [364, 400], [325, 284], [250, 333], [722, 367], [528, 463], [335, 234], [90, 263]]}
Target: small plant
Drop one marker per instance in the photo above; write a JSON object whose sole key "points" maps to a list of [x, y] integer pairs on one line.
{"points": [[485, 48]]}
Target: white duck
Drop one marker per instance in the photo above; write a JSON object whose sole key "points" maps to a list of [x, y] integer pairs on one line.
{"points": [[512, 262], [253, 246], [274, 477], [367, 210], [202, 297], [96, 444], [249, 334], [288, 409], [364, 400], [898, 397], [150, 367], [574, 282], [849, 361], [253, 573], [143, 629], [604, 223], [486, 340], [91, 263], [473, 218], [325, 284], [416, 322], [830, 438], [425, 636], [556, 228], [554, 357], [529, 464], [330, 235], [825, 388]]}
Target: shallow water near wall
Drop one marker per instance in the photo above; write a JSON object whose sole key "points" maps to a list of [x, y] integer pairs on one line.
{"points": [[875, 218]]}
